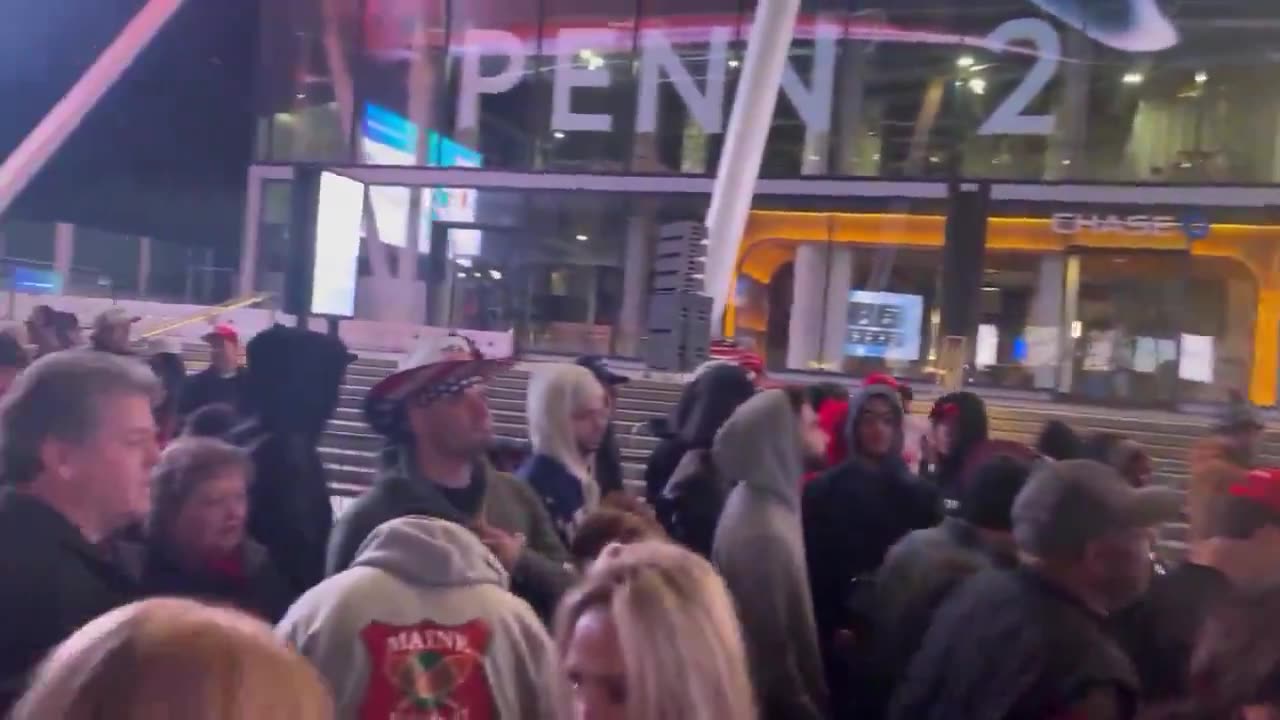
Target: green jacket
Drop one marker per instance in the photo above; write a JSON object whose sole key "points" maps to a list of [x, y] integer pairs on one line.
{"points": [[542, 574]]}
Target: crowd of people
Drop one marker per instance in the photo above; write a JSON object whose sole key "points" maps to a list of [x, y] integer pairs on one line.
{"points": [[169, 550]]}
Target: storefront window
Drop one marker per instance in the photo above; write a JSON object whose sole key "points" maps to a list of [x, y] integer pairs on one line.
{"points": [[841, 286], [494, 95], [588, 76], [306, 81]]}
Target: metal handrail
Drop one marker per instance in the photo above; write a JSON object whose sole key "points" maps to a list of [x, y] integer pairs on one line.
{"points": [[211, 312]]}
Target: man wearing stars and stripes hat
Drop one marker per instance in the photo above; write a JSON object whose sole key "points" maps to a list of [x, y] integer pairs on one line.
{"points": [[434, 414]]}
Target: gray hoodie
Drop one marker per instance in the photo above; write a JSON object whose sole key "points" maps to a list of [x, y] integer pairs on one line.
{"points": [[422, 625], [759, 550]]}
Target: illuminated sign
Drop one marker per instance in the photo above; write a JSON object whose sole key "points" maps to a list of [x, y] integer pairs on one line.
{"points": [[1073, 223], [494, 61]]}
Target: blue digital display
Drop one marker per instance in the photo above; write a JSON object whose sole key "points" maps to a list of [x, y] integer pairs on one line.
{"points": [[36, 281]]}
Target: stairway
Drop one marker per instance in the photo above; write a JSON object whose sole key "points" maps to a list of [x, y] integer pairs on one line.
{"points": [[349, 448]]}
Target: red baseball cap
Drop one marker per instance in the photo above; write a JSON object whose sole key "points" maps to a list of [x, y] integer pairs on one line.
{"points": [[1260, 486], [880, 379], [222, 332]]}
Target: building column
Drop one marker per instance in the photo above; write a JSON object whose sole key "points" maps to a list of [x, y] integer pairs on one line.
{"points": [[839, 281], [64, 250], [144, 265], [635, 281], [1045, 336], [739, 169], [804, 337]]}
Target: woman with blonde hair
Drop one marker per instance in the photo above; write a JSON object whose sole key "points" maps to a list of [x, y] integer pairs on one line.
{"points": [[650, 634], [167, 658]]}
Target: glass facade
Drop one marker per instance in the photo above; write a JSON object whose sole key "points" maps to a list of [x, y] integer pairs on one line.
{"points": [[1122, 91], [1129, 250]]}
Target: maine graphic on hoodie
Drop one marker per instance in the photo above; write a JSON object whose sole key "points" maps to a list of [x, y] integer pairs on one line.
{"points": [[422, 626], [759, 550]]}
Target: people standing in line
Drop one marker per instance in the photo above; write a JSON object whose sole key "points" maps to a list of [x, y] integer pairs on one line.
{"points": [[1239, 551], [1032, 642], [607, 464], [197, 544], [112, 331], [291, 392], [568, 414], [215, 421], [1125, 456], [915, 430], [436, 420], [759, 548], [1057, 441], [77, 444], [40, 330], [852, 515], [1235, 668], [1223, 458], [165, 360], [224, 380], [607, 526], [422, 625], [651, 632], [959, 428], [682, 482], [168, 658], [13, 360], [923, 568]]}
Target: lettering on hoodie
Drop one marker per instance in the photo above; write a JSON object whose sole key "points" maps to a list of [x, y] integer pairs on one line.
{"points": [[427, 671]]}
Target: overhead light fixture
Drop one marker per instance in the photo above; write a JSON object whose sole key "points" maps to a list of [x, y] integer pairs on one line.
{"points": [[735, 63], [495, 274], [1077, 329], [581, 238], [595, 63], [1066, 162], [978, 86], [461, 274], [1132, 78], [558, 134], [1202, 77], [964, 61], [585, 54]]}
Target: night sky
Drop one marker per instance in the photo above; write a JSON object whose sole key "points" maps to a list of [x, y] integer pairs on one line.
{"points": [[166, 151]]}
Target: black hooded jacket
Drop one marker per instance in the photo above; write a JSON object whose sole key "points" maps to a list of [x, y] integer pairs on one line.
{"points": [[856, 511], [680, 480], [971, 431], [292, 386]]}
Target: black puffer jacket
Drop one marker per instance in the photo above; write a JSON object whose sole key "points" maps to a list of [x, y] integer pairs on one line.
{"points": [[681, 481], [292, 385], [967, 415]]}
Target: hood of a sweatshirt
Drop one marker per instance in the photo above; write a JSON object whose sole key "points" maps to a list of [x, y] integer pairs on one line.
{"points": [[555, 393], [293, 378], [707, 403], [430, 553], [858, 404], [969, 414], [759, 447]]}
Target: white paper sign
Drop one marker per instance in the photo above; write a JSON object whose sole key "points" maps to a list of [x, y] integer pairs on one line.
{"points": [[1196, 362]]}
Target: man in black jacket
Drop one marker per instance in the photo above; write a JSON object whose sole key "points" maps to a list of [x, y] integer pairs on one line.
{"points": [[1032, 642], [220, 383], [77, 444], [852, 515], [291, 393]]}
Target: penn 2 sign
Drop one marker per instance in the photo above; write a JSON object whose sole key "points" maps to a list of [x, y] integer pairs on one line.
{"points": [[705, 101]]}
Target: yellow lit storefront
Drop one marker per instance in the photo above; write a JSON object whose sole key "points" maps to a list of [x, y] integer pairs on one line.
{"points": [[1246, 257]]}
